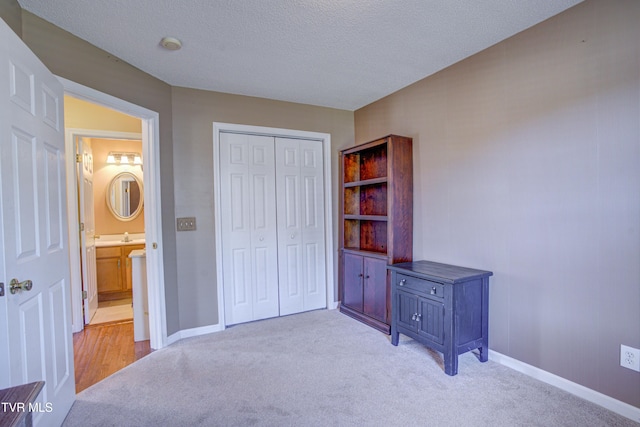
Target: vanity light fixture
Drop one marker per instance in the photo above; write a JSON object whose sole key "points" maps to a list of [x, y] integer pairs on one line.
{"points": [[121, 158]]}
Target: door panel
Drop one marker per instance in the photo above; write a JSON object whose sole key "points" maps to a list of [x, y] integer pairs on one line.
{"points": [[407, 309], [299, 177], [36, 344], [87, 233], [431, 320], [249, 230], [375, 288], [353, 291], [313, 225]]}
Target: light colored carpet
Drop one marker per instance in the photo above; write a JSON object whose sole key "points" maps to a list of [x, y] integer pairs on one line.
{"points": [[317, 369]]}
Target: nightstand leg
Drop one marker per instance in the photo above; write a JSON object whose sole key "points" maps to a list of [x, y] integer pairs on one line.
{"points": [[450, 363], [484, 353], [395, 337]]}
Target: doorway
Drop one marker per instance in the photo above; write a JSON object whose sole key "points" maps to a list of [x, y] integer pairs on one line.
{"points": [[110, 210], [152, 211]]}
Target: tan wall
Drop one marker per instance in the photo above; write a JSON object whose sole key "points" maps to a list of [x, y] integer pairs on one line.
{"points": [[194, 112], [103, 173], [526, 160], [76, 60], [11, 13]]}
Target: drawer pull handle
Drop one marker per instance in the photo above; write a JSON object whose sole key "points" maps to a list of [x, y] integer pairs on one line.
{"points": [[402, 282], [433, 290]]}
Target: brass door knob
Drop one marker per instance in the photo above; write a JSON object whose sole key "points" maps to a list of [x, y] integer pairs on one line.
{"points": [[15, 285]]}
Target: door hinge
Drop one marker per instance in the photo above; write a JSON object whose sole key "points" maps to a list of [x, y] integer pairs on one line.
{"points": [[84, 295], [82, 226], [78, 158]]}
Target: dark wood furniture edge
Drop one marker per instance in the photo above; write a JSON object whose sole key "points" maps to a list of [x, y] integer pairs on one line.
{"points": [[26, 393], [381, 326]]}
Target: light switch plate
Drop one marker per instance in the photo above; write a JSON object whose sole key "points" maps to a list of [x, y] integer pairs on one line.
{"points": [[186, 224]]}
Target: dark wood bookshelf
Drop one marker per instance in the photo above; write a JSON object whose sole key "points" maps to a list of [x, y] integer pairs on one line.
{"points": [[376, 225]]}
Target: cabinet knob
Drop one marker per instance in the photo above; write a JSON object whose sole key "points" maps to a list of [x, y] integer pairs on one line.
{"points": [[402, 282], [413, 317], [433, 290], [360, 275], [366, 277]]}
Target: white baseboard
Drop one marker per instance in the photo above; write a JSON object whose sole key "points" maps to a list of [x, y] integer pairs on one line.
{"points": [[203, 330], [193, 332], [583, 392]]}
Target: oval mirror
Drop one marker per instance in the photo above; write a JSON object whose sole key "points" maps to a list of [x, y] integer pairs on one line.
{"points": [[124, 196]]}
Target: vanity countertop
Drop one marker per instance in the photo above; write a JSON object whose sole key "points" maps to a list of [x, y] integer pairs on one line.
{"points": [[138, 253], [118, 240]]}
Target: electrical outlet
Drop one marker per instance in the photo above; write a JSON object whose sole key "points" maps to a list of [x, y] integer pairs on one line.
{"points": [[186, 224], [630, 357]]}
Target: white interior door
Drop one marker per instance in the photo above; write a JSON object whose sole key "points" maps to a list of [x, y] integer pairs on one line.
{"points": [[248, 218], [87, 230], [300, 207], [35, 335]]}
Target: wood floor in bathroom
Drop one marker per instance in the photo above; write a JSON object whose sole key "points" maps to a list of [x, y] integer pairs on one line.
{"points": [[103, 349]]}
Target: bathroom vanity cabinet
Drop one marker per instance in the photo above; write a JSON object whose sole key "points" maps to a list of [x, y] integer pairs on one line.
{"points": [[113, 267]]}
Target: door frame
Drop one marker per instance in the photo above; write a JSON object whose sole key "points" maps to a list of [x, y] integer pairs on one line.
{"points": [[70, 135], [152, 212], [323, 138]]}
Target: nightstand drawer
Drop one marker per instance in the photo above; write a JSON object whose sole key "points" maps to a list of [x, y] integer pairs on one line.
{"points": [[420, 285]]}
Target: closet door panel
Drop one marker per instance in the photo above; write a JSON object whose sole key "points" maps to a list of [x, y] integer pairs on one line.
{"points": [[248, 228], [289, 226], [313, 224], [264, 243], [300, 209]]}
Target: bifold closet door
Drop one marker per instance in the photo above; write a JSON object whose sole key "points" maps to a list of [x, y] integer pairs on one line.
{"points": [[300, 207], [250, 258]]}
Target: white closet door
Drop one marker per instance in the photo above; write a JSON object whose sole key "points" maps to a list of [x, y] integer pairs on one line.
{"points": [[300, 198], [247, 182]]}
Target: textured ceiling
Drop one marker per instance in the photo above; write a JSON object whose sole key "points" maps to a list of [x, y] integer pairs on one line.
{"points": [[335, 53]]}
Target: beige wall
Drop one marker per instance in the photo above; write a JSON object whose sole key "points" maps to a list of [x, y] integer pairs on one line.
{"points": [[11, 13], [103, 173], [76, 60], [527, 163], [194, 112]]}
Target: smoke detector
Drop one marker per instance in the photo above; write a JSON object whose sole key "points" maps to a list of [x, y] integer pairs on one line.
{"points": [[170, 43]]}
